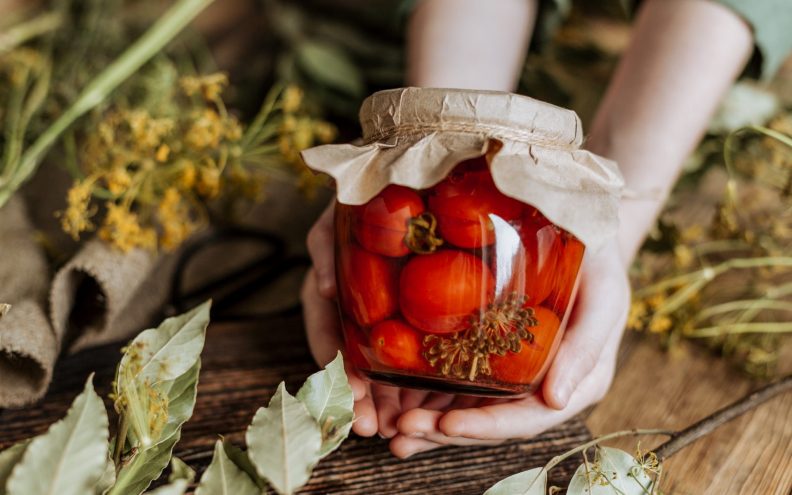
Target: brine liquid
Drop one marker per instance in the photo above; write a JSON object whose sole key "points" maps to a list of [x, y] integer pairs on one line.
{"points": [[456, 288]]}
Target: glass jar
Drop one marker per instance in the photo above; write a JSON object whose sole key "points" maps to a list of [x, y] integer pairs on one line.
{"points": [[451, 275], [456, 287]]}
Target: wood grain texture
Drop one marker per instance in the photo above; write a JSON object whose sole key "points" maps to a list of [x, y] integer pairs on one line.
{"points": [[242, 366], [653, 389]]}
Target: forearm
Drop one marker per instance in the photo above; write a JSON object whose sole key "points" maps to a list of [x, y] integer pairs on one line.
{"points": [[469, 44], [684, 56]]}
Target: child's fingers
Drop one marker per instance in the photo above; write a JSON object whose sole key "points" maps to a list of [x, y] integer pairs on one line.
{"points": [[321, 322], [404, 447], [599, 313], [320, 242], [386, 400], [365, 423]]}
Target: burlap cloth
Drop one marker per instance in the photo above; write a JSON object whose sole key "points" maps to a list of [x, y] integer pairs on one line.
{"points": [[99, 294]]}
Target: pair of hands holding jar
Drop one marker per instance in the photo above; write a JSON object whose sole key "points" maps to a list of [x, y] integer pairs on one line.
{"points": [[682, 59]]}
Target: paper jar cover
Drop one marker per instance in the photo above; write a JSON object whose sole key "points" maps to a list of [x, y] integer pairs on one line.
{"points": [[414, 136]]}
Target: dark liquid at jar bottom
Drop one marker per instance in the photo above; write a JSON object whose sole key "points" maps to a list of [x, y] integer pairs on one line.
{"points": [[448, 385]]}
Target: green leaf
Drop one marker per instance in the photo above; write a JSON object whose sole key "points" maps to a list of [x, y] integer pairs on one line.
{"points": [[177, 487], [148, 463], [283, 442], [70, 457], [181, 471], [9, 458], [330, 66], [531, 482], [613, 471], [168, 351], [107, 479], [241, 459], [328, 397], [144, 467], [223, 477]]}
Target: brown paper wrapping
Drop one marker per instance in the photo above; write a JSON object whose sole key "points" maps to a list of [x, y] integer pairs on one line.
{"points": [[28, 348], [415, 136]]}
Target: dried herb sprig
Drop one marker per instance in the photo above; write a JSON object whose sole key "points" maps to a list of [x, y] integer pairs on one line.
{"points": [[499, 328]]}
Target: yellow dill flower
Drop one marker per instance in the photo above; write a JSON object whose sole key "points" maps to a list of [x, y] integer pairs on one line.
{"points": [[660, 324], [635, 318], [208, 182], [122, 229], [76, 218], [205, 130], [118, 180], [209, 86], [162, 153], [147, 132], [174, 219], [292, 99], [656, 300], [303, 135], [233, 130], [289, 124], [683, 256], [187, 176], [325, 132]]}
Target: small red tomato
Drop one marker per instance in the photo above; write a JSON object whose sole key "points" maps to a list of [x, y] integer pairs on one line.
{"points": [[570, 258], [463, 204], [541, 245], [382, 224], [398, 345], [438, 292], [525, 366], [368, 285], [355, 342]]}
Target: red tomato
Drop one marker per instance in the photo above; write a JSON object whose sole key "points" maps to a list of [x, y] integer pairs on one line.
{"points": [[525, 366], [439, 291], [570, 258], [368, 285], [355, 341], [539, 257], [398, 345], [381, 224], [463, 203]]}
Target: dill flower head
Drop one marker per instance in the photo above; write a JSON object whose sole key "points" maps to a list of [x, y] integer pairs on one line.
{"points": [[77, 216], [122, 228]]}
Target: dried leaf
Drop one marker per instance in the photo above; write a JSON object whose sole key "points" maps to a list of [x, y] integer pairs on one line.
{"points": [[328, 397], [330, 66], [614, 471], [181, 471], [144, 467], [4, 309], [70, 457], [223, 477], [107, 479], [178, 487], [284, 442], [241, 459], [531, 482], [168, 351], [148, 463], [9, 458]]}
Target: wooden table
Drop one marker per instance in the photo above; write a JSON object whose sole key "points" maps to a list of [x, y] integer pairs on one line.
{"points": [[242, 366]]}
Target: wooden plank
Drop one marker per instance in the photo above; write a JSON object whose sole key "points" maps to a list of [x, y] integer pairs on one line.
{"points": [[654, 389], [242, 366]]}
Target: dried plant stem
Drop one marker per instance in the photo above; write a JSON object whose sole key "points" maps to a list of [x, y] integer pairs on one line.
{"points": [[152, 41], [610, 436], [695, 431], [742, 328], [42, 24], [123, 430]]}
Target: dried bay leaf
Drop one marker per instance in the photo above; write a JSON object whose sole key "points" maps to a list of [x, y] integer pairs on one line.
{"points": [[166, 352], [241, 459], [223, 477], [177, 487], [531, 482], [144, 467], [9, 458], [70, 457], [107, 478], [613, 471], [147, 464], [181, 471], [284, 442], [328, 397]]}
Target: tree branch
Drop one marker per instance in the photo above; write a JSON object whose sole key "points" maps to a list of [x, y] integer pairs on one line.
{"points": [[697, 430]]}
